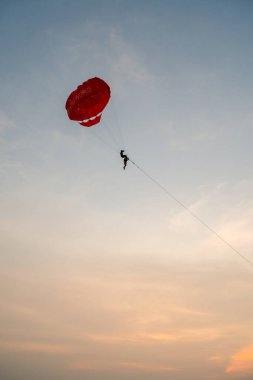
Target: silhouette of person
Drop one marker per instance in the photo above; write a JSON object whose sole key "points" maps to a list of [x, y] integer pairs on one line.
{"points": [[125, 158]]}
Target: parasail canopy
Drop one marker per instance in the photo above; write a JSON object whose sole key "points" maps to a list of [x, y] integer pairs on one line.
{"points": [[87, 102]]}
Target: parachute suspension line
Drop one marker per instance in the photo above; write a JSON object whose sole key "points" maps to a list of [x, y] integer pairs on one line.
{"points": [[118, 125], [192, 214], [98, 137], [113, 137]]}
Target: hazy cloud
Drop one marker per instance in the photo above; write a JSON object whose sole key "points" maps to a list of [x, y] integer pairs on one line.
{"points": [[242, 361]]}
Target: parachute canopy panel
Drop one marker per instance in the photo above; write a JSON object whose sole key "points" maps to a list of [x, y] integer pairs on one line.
{"points": [[87, 102]]}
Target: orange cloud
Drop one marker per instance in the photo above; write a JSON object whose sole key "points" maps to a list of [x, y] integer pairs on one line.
{"points": [[80, 365], [184, 335], [24, 346], [216, 358], [242, 361], [103, 365], [147, 366]]}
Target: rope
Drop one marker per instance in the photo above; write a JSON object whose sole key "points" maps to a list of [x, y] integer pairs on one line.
{"points": [[192, 213], [111, 134], [120, 133], [165, 190], [98, 137]]}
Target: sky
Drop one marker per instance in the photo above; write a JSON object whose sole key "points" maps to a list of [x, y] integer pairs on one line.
{"points": [[103, 275]]}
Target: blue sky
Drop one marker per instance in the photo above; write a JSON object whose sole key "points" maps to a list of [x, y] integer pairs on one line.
{"points": [[102, 274]]}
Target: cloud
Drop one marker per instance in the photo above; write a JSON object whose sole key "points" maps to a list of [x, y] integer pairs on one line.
{"points": [[242, 361], [163, 337], [221, 216], [111, 365], [127, 64], [5, 122], [29, 346], [10, 144], [216, 358], [122, 64], [147, 366]]}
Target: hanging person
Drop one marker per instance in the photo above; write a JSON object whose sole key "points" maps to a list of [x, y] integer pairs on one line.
{"points": [[125, 158]]}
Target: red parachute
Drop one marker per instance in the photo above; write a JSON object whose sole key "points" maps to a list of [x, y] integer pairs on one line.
{"points": [[87, 102]]}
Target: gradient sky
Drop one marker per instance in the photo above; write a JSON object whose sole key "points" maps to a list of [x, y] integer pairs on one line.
{"points": [[103, 276]]}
